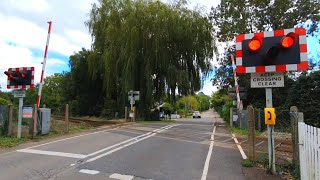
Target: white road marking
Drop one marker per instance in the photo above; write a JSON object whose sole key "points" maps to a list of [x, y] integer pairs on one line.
{"points": [[52, 153], [128, 144], [206, 165], [123, 142], [121, 176], [71, 138], [72, 164], [88, 171], [244, 156]]}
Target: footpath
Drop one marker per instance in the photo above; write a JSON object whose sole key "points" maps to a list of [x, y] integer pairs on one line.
{"points": [[228, 156]]}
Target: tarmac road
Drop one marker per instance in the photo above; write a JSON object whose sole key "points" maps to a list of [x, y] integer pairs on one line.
{"points": [[190, 149]]}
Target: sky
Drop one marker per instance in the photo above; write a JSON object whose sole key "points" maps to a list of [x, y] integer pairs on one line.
{"points": [[24, 27]]}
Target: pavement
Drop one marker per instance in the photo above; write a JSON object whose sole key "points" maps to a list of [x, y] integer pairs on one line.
{"points": [[190, 149]]}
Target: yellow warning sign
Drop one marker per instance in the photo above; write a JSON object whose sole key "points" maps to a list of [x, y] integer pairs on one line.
{"points": [[270, 116]]}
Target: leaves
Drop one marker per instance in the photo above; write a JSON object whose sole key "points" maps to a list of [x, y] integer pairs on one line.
{"points": [[149, 46]]}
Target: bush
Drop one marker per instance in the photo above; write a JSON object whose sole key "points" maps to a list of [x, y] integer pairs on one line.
{"points": [[4, 101], [182, 112], [225, 112], [248, 163]]}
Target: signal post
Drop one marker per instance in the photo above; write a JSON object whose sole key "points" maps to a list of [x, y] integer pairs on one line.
{"points": [[266, 56], [20, 79]]}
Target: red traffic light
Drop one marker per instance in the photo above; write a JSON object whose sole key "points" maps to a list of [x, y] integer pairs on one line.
{"points": [[23, 74], [255, 43], [289, 40], [9, 74]]}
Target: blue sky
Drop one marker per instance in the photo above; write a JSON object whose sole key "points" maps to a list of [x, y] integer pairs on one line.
{"points": [[24, 26]]}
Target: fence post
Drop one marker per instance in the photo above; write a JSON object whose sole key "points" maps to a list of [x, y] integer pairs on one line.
{"points": [[126, 113], [10, 119], [259, 120], [294, 135], [134, 114], [67, 118], [231, 117], [251, 133], [35, 120]]}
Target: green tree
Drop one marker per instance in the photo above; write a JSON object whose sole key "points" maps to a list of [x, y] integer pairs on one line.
{"points": [[52, 92], [304, 94], [189, 103], [82, 91], [137, 47], [204, 101], [233, 17]]}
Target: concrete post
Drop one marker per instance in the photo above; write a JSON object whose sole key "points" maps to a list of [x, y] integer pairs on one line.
{"points": [[67, 118], [251, 133], [10, 115], [20, 117], [35, 121], [294, 135]]}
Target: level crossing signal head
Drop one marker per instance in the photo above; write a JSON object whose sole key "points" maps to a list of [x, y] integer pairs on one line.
{"points": [[272, 51], [20, 78]]}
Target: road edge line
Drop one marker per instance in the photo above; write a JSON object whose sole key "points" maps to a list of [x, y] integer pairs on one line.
{"points": [[206, 164], [243, 154]]}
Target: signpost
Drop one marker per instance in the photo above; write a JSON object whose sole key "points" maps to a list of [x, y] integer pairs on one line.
{"points": [[20, 79], [19, 94], [133, 96], [266, 55]]}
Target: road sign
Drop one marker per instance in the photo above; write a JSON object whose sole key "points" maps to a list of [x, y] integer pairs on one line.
{"points": [[243, 95], [270, 116], [133, 94], [27, 112], [263, 80], [272, 51], [19, 93]]}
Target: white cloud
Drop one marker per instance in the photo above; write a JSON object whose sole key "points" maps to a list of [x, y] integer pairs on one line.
{"points": [[24, 29], [12, 56], [30, 35], [208, 88], [26, 5]]}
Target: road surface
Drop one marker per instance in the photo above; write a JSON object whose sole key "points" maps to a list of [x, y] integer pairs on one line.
{"points": [[190, 149]]}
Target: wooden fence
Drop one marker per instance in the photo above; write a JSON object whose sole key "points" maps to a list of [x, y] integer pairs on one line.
{"points": [[309, 150]]}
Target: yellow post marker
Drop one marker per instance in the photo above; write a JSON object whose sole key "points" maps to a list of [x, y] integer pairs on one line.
{"points": [[270, 116]]}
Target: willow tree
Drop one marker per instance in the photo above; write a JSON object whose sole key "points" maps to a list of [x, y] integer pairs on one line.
{"points": [[156, 48]]}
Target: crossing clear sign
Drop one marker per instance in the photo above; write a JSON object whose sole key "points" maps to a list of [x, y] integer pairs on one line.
{"points": [[264, 80]]}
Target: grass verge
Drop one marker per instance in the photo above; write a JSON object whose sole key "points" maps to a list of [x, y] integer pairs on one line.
{"points": [[8, 142], [243, 132]]}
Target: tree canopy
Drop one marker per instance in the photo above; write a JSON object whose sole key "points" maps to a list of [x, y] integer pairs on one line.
{"points": [[148, 46]]}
